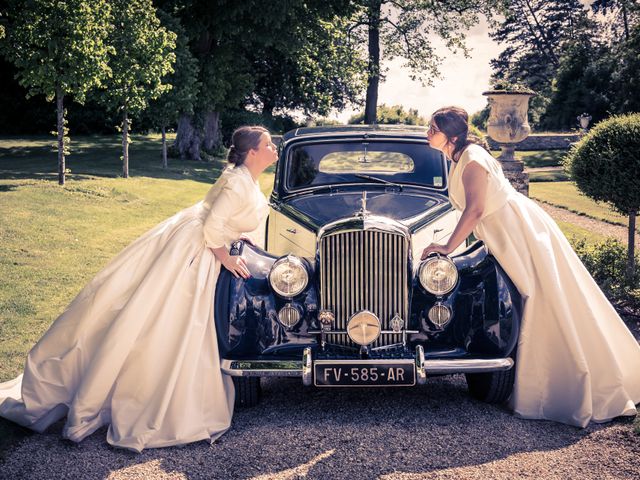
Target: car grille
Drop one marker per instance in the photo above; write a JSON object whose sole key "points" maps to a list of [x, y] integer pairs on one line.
{"points": [[364, 270]]}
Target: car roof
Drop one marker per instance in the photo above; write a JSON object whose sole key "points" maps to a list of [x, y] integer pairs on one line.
{"points": [[357, 130]]}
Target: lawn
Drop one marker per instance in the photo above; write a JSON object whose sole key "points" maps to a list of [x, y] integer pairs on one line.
{"points": [[566, 195]]}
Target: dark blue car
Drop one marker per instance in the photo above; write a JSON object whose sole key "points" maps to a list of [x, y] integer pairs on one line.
{"points": [[339, 296]]}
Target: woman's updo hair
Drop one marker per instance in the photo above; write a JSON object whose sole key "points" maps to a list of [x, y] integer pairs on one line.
{"points": [[454, 123], [244, 139]]}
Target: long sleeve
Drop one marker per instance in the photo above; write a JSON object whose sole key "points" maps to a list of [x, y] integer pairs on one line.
{"points": [[227, 202]]}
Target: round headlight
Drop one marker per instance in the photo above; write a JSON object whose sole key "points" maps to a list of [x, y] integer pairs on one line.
{"points": [[364, 327], [439, 315], [438, 275], [289, 316], [288, 276]]}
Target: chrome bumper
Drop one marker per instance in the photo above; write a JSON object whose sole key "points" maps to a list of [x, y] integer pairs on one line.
{"points": [[303, 368]]}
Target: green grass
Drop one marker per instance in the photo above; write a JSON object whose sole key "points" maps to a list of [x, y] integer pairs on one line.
{"points": [[566, 195], [548, 176], [54, 239]]}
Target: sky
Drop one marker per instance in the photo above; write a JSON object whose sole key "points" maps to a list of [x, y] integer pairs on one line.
{"points": [[462, 79]]}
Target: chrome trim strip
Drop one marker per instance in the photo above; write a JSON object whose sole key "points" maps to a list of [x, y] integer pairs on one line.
{"points": [[468, 365], [262, 368], [295, 368]]}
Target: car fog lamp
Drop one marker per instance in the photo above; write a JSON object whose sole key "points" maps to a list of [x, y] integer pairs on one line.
{"points": [[438, 275], [364, 327], [439, 315], [289, 316], [288, 276]]}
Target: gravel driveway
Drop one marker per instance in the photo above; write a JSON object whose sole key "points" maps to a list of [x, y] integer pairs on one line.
{"points": [[433, 431]]}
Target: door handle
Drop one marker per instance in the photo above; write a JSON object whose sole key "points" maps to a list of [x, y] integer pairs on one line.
{"points": [[292, 230]]}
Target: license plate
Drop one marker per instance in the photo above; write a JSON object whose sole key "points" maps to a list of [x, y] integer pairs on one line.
{"points": [[354, 373]]}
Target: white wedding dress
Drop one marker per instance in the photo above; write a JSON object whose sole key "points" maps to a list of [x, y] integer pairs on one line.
{"points": [[576, 360], [137, 348]]}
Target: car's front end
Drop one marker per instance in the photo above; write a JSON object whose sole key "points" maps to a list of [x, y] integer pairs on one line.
{"points": [[342, 299]]}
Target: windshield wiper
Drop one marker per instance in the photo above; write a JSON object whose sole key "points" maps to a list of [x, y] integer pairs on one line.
{"points": [[379, 180]]}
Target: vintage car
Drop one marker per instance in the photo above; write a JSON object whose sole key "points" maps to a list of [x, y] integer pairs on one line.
{"points": [[339, 295]]}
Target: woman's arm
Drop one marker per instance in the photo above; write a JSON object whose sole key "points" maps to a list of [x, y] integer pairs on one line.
{"points": [[475, 181]]}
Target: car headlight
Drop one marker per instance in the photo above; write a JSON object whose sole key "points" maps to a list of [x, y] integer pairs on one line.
{"points": [[438, 275], [288, 276]]}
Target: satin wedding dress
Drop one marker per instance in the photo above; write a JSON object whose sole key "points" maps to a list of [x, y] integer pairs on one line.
{"points": [[576, 360], [137, 349]]}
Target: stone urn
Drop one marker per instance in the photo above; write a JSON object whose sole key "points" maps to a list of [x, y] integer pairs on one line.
{"points": [[508, 126]]}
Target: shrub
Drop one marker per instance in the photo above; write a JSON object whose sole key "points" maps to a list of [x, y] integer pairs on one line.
{"points": [[605, 165], [394, 115], [607, 262]]}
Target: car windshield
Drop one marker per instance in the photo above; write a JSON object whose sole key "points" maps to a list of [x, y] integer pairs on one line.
{"points": [[339, 162]]}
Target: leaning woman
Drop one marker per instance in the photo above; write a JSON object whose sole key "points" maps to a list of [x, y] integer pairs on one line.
{"points": [[576, 360], [136, 349]]}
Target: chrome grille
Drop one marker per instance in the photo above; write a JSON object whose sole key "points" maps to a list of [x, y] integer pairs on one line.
{"points": [[364, 269]]}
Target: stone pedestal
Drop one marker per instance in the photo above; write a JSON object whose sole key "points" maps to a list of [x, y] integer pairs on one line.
{"points": [[508, 125], [514, 171]]}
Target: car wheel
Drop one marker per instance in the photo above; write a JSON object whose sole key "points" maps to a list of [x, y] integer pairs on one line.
{"points": [[491, 387], [248, 391]]}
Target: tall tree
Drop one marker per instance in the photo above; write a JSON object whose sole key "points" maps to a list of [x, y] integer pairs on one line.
{"points": [[59, 49], [619, 16], [181, 98], [241, 46], [315, 73], [535, 34], [142, 54], [402, 28]]}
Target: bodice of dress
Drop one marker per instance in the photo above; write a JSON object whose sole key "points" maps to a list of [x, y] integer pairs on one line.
{"points": [[233, 206], [498, 190]]}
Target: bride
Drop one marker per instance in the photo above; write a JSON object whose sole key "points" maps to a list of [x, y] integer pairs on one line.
{"points": [[576, 362], [136, 349]]}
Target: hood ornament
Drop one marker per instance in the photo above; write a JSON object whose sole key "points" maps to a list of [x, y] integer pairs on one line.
{"points": [[363, 211]]}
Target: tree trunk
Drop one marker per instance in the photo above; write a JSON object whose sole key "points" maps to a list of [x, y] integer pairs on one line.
{"points": [[373, 74], [125, 144], [164, 146], [60, 124], [188, 138], [211, 130], [631, 245], [625, 21]]}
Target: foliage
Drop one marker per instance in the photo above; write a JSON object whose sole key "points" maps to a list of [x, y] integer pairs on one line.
{"points": [[232, 119], [404, 28], [480, 118], [310, 67], [58, 45], [142, 54], [181, 97], [605, 164], [534, 33], [392, 114], [607, 263]]}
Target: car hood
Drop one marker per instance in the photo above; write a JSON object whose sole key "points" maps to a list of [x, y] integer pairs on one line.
{"points": [[409, 208]]}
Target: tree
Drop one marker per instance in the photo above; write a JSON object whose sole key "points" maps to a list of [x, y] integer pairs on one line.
{"points": [[315, 73], [271, 59], [142, 53], [402, 28], [395, 114], [535, 34], [59, 50], [181, 98], [606, 166]]}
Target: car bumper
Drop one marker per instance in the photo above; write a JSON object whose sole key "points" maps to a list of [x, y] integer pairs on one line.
{"points": [[304, 367]]}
